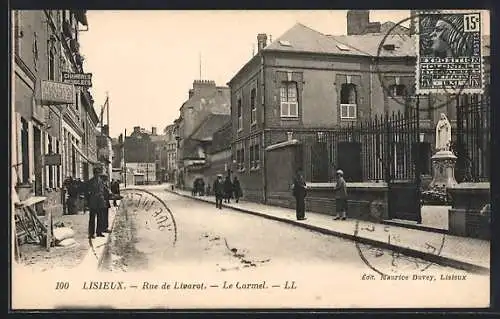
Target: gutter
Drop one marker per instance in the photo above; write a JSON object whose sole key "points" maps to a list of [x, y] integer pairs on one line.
{"points": [[263, 103]]}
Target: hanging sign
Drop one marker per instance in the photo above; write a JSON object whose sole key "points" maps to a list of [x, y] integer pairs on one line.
{"points": [[79, 79]]}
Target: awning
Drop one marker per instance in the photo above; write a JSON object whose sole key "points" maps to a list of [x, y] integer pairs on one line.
{"points": [[84, 156]]}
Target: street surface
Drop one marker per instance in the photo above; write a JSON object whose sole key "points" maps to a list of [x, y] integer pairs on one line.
{"points": [[215, 245]]}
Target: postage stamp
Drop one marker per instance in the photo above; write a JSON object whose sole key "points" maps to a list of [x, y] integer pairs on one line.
{"points": [[449, 52]]}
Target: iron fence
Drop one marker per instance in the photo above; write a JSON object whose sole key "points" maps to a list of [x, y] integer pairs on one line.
{"points": [[472, 141], [384, 147]]}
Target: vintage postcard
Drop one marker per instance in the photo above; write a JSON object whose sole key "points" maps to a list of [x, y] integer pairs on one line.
{"points": [[250, 159]]}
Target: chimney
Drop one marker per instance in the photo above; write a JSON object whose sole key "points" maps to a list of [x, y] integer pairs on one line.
{"points": [[191, 93], [357, 21], [153, 130], [261, 41]]}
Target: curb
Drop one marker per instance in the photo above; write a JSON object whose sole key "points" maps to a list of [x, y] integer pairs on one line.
{"points": [[437, 259], [100, 258]]}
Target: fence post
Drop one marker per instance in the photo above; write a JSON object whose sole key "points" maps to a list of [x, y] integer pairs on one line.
{"points": [[387, 148]]}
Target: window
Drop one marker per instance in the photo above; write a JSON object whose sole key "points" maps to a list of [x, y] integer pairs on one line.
{"points": [[397, 90], [35, 50], [51, 168], [288, 98], [58, 168], [348, 101], [76, 100], [240, 156], [253, 106], [51, 64], [240, 116], [25, 176], [254, 153]]}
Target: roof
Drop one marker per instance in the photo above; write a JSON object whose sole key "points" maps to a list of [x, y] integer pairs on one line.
{"points": [[158, 138], [369, 44], [301, 38], [212, 123]]}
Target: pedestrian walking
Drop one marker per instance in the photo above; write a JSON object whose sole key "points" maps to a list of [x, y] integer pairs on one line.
{"points": [[219, 191], [299, 192], [237, 189], [228, 189], [95, 193], [341, 196]]}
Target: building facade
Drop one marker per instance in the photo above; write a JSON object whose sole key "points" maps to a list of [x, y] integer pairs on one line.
{"points": [[205, 111], [305, 84], [48, 115], [139, 153], [171, 153]]}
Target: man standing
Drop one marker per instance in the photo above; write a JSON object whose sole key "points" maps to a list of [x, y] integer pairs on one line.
{"points": [[95, 193], [219, 191], [341, 196], [299, 192], [115, 190]]}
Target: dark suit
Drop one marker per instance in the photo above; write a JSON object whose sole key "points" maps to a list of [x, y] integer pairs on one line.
{"points": [[219, 192], [299, 192], [95, 192]]}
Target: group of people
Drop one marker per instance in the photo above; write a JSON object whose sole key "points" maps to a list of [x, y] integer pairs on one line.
{"points": [[299, 188], [73, 190], [98, 194], [226, 189]]}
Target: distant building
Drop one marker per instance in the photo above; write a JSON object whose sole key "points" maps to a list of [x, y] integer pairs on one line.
{"points": [[171, 152], [206, 110]]}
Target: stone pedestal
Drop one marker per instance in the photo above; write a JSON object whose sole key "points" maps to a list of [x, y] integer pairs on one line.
{"points": [[443, 170]]}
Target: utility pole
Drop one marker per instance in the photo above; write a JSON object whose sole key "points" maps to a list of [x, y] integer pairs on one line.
{"points": [[124, 160]]}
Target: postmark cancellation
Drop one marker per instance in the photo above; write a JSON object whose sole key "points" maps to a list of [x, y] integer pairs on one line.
{"points": [[449, 52]]}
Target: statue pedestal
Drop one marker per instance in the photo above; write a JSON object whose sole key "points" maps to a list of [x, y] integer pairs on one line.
{"points": [[443, 170]]}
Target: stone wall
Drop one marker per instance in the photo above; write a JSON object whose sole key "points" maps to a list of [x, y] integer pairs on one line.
{"points": [[470, 216]]}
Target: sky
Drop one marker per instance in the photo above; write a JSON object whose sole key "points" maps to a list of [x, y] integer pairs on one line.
{"points": [[146, 61]]}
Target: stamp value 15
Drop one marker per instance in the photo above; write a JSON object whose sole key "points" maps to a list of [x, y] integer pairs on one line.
{"points": [[449, 52]]}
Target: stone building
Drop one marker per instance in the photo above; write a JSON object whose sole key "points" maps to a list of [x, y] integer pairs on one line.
{"points": [[171, 153], [205, 111], [51, 118]]}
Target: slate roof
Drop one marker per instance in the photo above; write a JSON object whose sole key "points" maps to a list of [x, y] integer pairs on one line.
{"points": [[212, 123], [301, 38], [304, 39]]}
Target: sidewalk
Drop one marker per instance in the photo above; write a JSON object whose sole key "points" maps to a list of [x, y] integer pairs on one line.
{"points": [[458, 252]]}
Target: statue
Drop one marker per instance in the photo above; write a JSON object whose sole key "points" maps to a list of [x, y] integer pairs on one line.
{"points": [[443, 134]]}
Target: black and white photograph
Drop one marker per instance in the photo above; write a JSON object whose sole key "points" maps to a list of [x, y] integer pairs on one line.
{"points": [[250, 159]]}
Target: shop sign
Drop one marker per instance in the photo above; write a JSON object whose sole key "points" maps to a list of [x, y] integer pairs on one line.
{"points": [[79, 79], [57, 93]]}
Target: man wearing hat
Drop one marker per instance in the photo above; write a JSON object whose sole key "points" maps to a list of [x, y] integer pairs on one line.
{"points": [[299, 192], [341, 195], [218, 191], [95, 192]]}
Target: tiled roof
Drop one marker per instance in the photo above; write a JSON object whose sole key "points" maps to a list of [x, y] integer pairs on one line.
{"points": [[301, 38], [209, 126]]}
